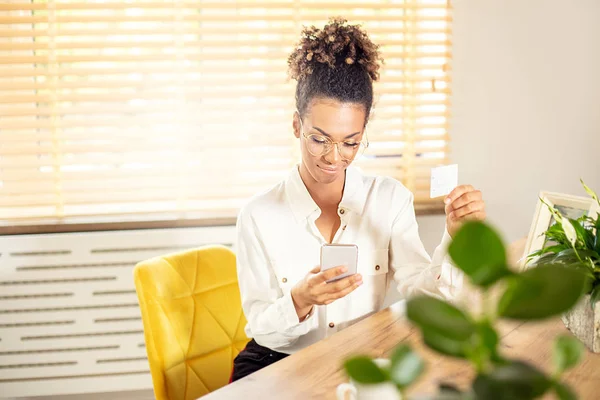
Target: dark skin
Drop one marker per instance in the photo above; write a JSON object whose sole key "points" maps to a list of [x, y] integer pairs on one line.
{"points": [[324, 177]]}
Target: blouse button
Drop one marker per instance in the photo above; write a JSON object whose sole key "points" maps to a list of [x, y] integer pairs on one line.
{"points": [[377, 267], [331, 324], [342, 211], [284, 280]]}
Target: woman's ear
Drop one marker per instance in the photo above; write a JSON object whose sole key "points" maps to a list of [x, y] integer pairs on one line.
{"points": [[296, 124]]}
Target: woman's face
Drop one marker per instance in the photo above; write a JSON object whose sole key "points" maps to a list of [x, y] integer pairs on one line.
{"points": [[342, 123]]}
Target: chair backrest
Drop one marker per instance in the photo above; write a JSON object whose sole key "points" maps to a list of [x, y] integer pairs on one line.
{"points": [[193, 320]]}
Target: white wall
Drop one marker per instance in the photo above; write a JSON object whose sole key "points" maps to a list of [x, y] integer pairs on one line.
{"points": [[526, 104]]}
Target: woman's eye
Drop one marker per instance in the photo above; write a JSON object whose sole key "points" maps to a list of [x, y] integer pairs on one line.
{"points": [[351, 144], [319, 140]]}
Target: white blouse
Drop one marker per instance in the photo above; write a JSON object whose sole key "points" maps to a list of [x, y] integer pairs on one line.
{"points": [[279, 243]]}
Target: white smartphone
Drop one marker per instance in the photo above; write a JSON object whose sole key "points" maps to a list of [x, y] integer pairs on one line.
{"points": [[334, 255]]}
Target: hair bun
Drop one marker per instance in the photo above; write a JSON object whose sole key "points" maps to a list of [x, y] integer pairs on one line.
{"points": [[336, 44]]}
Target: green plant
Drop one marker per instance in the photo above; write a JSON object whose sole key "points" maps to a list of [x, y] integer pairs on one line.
{"points": [[537, 293], [573, 242]]}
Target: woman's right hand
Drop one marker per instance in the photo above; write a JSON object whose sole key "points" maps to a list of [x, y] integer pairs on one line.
{"points": [[314, 289]]}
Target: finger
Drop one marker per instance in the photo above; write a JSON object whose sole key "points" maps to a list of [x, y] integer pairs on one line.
{"points": [[470, 208], [311, 277], [475, 216], [331, 273], [343, 293], [466, 198], [457, 192], [340, 285]]}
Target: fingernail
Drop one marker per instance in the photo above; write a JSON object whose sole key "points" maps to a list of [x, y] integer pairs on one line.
{"points": [[343, 269], [447, 200]]}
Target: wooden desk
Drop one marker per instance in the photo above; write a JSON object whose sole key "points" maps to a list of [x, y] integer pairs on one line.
{"points": [[314, 372]]}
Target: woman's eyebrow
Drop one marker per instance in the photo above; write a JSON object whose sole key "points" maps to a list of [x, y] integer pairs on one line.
{"points": [[329, 136]]}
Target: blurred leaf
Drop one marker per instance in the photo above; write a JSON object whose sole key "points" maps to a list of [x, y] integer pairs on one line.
{"points": [[589, 284], [406, 367], [595, 296], [567, 352], [489, 340], [478, 251], [542, 292], [444, 344], [564, 391], [440, 317], [364, 370], [569, 231], [514, 381]]}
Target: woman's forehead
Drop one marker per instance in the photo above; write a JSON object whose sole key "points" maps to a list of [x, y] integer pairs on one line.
{"points": [[335, 117]]}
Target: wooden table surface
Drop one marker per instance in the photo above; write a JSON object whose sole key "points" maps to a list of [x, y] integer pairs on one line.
{"points": [[315, 372]]}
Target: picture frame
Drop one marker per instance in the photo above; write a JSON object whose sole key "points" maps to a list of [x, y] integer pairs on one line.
{"points": [[569, 205]]}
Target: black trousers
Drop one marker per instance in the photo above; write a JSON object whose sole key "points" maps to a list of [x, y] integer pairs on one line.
{"points": [[253, 358]]}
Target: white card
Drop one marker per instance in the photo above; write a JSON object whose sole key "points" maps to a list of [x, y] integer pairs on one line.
{"points": [[443, 180]]}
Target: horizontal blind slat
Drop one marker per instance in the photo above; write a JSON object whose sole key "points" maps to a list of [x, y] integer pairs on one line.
{"points": [[81, 82]]}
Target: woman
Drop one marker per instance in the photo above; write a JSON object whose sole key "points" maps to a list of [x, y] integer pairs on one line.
{"points": [[285, 297]]}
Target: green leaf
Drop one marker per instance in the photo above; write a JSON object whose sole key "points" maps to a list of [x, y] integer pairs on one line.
{"points": [[364, 370], [569, 256], [514, 381], [489, 340], [545, 259], [564, 391], [439, 317], [479, 252], [584, 235], [406, 366], [555, 233], [567, 352], [443, 344], [555, 213], [595, 295], [542, 292], [555, 249], [597, 238], [589, 191]]}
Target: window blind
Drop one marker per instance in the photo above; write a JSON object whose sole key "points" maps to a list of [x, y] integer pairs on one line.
{"points": [[177, 108]]}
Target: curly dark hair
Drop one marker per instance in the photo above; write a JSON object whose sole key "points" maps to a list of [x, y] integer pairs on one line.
{"points": [[338, 62]]}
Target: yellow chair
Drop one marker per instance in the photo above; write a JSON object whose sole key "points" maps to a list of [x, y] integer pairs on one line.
{"points": [[193, 320]]}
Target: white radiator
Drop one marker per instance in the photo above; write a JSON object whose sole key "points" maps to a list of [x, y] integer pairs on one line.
{"points": [[69, 317]]}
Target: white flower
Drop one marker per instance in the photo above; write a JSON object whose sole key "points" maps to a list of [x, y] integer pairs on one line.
{"points": [[569, 231]]}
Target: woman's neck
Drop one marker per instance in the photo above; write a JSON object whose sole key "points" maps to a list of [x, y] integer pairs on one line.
{"points": [[326, 195]]}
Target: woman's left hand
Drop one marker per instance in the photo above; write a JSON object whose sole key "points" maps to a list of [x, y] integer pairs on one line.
{"points": [[464, 203]]}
